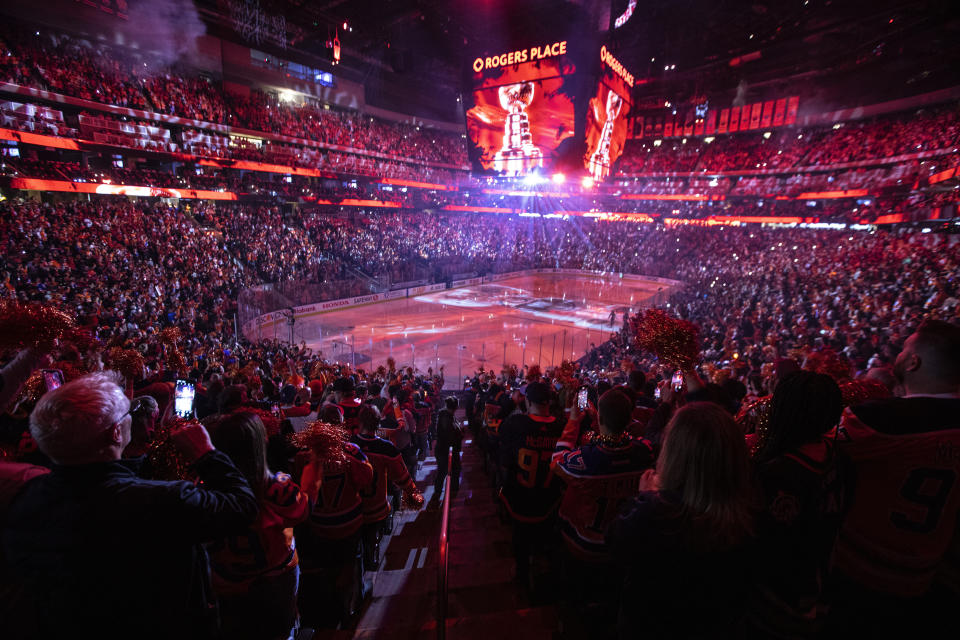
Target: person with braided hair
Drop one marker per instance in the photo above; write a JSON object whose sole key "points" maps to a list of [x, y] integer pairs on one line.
{"points": [[804, 482]]}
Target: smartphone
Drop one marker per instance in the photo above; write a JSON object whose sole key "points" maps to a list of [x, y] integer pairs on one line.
{"points": [[582, 398], [52, 379], [656, 393], [677, 381], [183, 398], [275, 409]]}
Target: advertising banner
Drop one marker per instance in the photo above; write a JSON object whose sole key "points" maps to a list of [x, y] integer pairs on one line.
{"points": [[466, 283]]}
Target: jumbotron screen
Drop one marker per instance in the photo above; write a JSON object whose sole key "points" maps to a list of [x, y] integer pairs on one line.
{"points": [[606, 130], [607, 114], [522, 109]]}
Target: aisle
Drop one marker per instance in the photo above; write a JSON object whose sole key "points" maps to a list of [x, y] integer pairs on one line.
{"points": [[484, 600]]}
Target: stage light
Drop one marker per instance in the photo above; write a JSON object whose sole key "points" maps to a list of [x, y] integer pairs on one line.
{"points": [[559, 178], [533, 179], [587, 182]]}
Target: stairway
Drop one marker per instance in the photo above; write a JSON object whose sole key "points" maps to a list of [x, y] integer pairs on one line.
{"points": [[484, 600]]}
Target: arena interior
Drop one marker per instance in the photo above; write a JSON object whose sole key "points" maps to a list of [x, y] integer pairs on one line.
{"points": [[531, 319]]}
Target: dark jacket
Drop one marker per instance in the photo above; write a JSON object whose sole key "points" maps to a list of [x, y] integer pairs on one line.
{"points": [[904, 513], [449, 433], [107, 554], [805, 495], [530, 491], [677, 583]]}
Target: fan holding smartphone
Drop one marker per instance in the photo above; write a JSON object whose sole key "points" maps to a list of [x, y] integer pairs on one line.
{"points": [[52, 379], [183, 398], [582, 401], [677, 381]]}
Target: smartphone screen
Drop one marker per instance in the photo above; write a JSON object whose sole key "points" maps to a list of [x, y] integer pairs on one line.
{"points": [[656, 393], [677, 381], [183, 399], [582, 399], [275, 409], [52, 379]]}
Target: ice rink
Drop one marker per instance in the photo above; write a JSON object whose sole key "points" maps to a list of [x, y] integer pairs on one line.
{"points": [[528, 319]]}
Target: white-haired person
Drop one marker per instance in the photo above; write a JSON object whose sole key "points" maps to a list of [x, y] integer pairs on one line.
{"points": [[103, 553]]}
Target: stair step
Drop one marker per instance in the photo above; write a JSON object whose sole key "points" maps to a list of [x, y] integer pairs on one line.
{"points": [[484, 523], [396, 613], [462, 552], [477, 574], [483, 597], [405, 582], [480, 600], [474, 510], [522, 624]]}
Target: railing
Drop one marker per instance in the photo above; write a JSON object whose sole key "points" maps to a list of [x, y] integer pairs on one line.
{"points": [[444, 558]]}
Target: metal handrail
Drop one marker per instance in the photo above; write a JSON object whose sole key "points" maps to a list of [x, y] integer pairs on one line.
{"points": [[444, 559]]}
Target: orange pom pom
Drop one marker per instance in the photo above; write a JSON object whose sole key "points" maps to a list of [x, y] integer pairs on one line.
{"points": [[164, 459], [129, 362], [671, 339], [326, 441], [31, 324], [170, 335]]}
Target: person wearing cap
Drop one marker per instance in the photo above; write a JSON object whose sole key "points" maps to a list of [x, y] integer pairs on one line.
{"points": [[783, 368], [449, 443], [345, 397], [300, 411], [530, 493], [399, 426], [494, 414], [316, 391]]}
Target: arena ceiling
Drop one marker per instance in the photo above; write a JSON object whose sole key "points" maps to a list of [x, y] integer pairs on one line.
{"points": [[690, 34], [683, 49]]}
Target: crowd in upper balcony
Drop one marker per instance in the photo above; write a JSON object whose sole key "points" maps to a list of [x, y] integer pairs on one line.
{"points": [[126, 78], [926, 130]]}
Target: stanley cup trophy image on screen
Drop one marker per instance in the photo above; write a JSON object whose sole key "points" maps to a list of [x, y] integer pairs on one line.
{"points": [[599, 165], [518, 153]]}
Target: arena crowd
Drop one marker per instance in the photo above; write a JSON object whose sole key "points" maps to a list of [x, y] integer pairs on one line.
{"points": [[792, 476], [776, 309]]}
